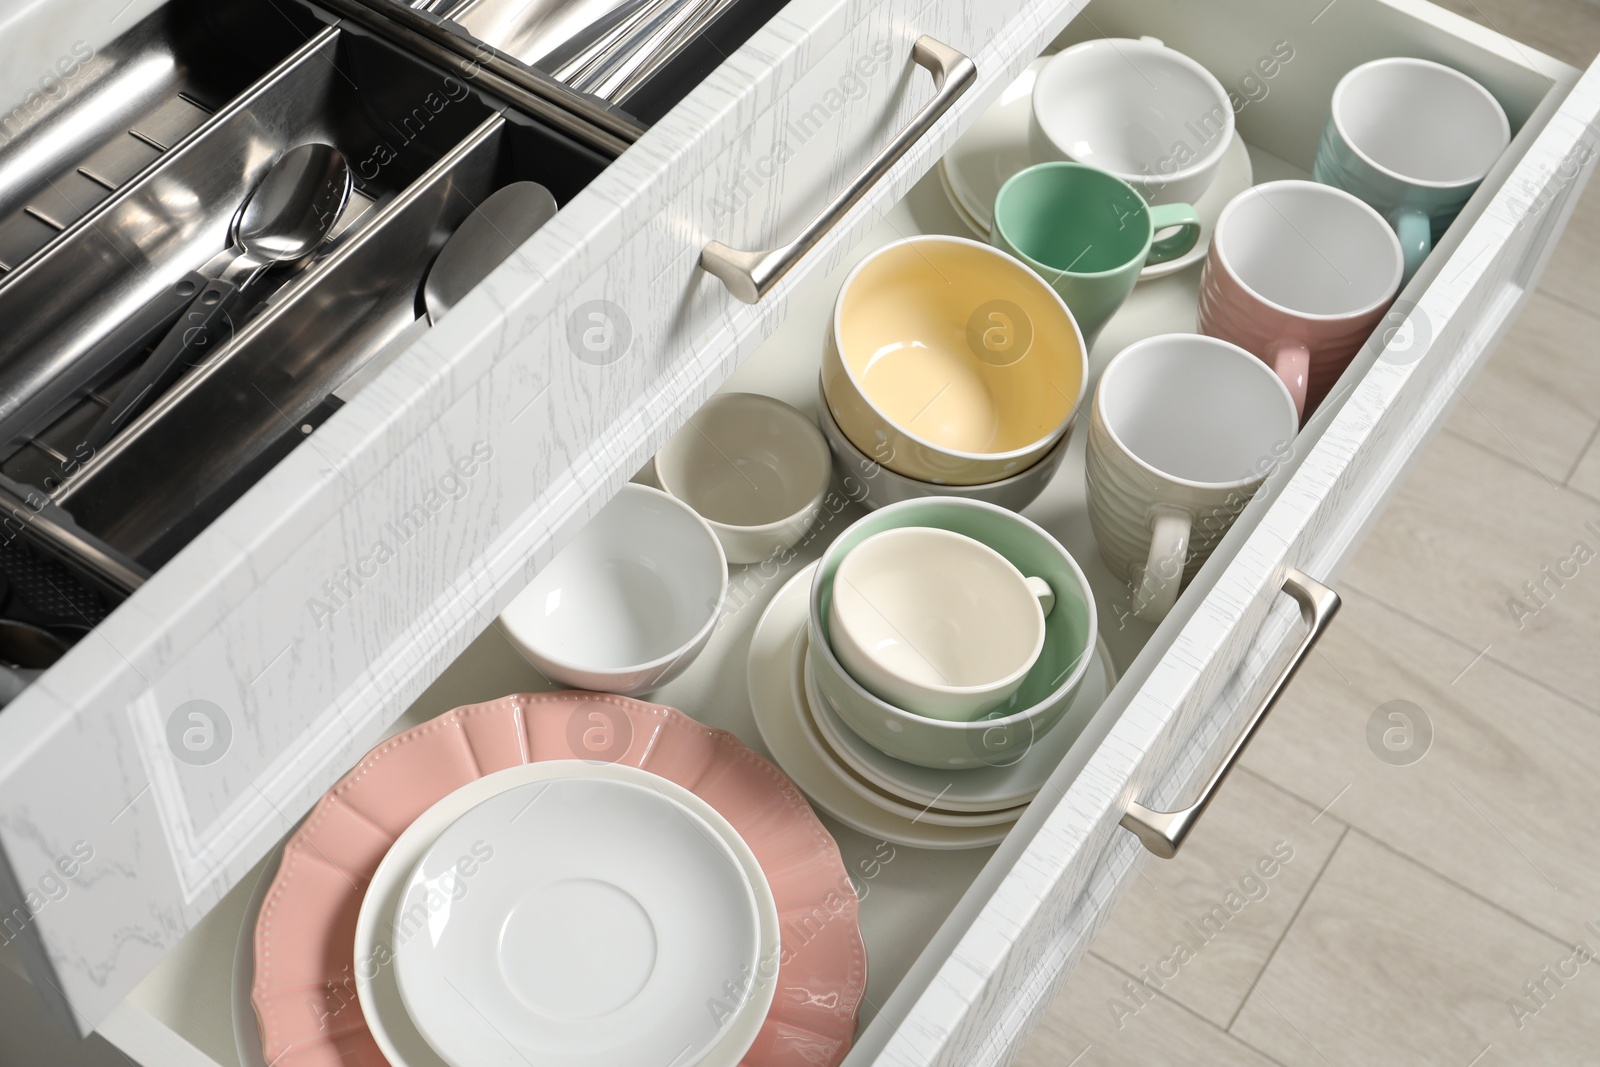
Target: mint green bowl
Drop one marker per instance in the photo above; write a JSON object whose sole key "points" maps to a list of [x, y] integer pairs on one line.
{"points": [[1006, 733]]}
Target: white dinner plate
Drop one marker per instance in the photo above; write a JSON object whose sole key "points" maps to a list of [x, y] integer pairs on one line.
{"points": [[377, 929], [996, 147], [777, 700]]}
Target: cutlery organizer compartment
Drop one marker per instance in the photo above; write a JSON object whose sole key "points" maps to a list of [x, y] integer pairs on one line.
{"points": [[100, 117], [641, 55], [258, 398], [423, 147]]}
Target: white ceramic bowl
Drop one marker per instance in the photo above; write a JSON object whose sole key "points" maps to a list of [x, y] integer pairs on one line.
{"points": [[934, 622], [1136, 109], [874, 485], [629, 603], [753, 467]]}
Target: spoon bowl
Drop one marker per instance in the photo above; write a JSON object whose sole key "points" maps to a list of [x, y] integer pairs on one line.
{"points": [[295, 206]]}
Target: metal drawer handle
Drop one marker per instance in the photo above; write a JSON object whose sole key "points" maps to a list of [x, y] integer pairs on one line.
{"points": [[749, 275], [1163, 832]]}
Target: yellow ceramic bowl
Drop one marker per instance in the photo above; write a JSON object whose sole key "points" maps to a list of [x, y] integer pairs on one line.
{"points": [[951, 362]]}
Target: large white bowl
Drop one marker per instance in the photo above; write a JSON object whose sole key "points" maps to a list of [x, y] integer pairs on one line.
{"points": [[630, 603], [753, 467]]}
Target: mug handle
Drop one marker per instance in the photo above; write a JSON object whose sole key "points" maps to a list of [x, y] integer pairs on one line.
{"points": [[1292, 361], [1415, 231], [1169, 545], [1164, 216], [1045, 595]]}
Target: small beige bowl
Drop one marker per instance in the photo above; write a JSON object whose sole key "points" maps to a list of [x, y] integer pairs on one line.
{"points": [[753, 467]]}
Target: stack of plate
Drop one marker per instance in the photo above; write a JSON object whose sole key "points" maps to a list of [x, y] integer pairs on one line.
{"points": [[874, 793], [531, 880]]}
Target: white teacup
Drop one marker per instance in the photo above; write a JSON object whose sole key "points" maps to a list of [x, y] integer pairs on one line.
{"points": [[1185, 428], [935, 622], [1137, 109]]}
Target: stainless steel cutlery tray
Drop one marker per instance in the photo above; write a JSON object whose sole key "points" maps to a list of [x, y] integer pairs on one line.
{"points": [[425, 146]]}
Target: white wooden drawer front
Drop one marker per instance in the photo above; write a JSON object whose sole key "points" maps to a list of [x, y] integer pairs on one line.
{"points": [[488, 443], [84, 756]]}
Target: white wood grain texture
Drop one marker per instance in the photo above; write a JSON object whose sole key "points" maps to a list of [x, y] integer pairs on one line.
{"points": [[83, 755], [984, 996]]}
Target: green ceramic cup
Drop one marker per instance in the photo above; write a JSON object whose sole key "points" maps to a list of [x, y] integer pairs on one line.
{"points": [[1004, 735], [1088, 234]]}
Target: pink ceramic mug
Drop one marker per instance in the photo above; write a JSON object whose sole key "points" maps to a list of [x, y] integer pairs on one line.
{"points": [[1299, 274]]}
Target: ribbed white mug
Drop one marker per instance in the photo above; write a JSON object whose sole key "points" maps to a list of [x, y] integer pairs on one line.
{"points": [[1184, 430]]}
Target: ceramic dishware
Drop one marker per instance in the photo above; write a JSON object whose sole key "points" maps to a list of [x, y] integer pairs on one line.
{"points": [[630, 603], [1299, 274], [1413, 139], [1183, 431], [776, 678], [793, 727], [1137, 109], [1008, 731], [996, 146], [753, 467], [935, 622], [601, 918], [968, 790], [383, 928], [302, 988], [873, 485], [1088, 234], [950, 362], [869, 789]]}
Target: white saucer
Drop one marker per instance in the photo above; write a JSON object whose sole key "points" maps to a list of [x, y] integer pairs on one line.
{"points": [[885, 798], [996, 147], [976, 789], [399, 1035]]}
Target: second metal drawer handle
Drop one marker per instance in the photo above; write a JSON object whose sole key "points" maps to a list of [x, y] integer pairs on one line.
{"points": [[749, 275], [1163, 832]]}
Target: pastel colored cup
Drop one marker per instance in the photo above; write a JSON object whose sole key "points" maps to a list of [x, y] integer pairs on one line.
{"points": [[950, 362], [1006, 733], [1183, 431], [1088, 234], [873, 485], [1414, 139], [629, 603], [935, 622], [753, 467], [1299, 274], [1137, 109]]}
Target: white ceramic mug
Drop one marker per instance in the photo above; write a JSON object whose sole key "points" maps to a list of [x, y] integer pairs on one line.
{"points": [[935, 622], [1184, 430], [1137, 109]]}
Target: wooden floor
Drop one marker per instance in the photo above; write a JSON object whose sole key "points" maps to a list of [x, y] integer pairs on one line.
{"points": [[1442, 910]]}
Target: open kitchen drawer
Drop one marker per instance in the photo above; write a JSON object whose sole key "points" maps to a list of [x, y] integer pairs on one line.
{"points": [[965, 949]]}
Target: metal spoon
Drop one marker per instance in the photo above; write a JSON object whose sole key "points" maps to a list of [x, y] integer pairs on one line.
{"points": [[485, 239], [286, 217]]}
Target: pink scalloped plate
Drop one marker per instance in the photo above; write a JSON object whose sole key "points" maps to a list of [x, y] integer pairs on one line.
{"points": [[305, 989]]}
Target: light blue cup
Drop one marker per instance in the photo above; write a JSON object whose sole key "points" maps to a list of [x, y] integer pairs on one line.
{"points": [[1413, 139]]}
